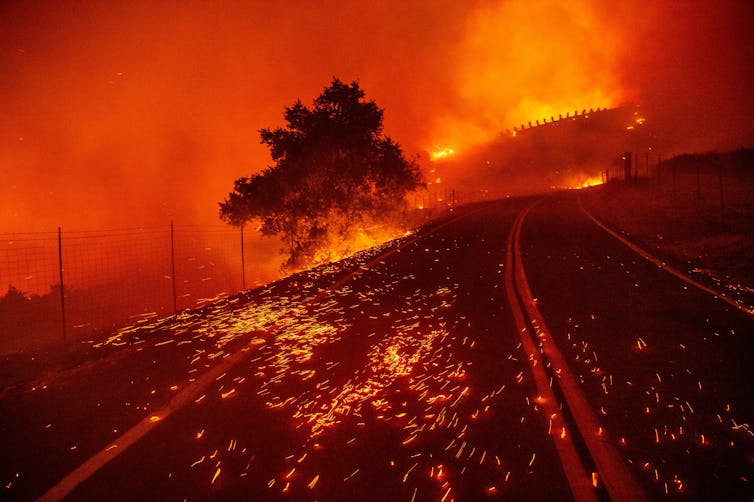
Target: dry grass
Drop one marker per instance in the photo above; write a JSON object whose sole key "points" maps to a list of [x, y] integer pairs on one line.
{"points": [[688, 227]]}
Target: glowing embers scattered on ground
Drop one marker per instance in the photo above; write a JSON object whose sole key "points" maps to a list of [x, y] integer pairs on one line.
{"points": [[411, 377], [663, 417], [318, 399], [387, 363], [336, 372], [727, 285], [269, 309]]}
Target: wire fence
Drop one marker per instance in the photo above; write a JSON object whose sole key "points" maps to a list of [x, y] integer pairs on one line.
{"points": [[713, 187], [63, 286]]}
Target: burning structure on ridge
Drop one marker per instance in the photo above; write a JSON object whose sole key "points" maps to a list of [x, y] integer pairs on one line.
{"points": [[566, 151]]}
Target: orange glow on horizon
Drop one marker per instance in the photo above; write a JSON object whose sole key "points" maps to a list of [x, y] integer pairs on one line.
{"points": [[160, 129]]}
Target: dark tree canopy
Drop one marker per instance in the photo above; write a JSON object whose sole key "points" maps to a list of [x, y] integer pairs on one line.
{"points": [[334, 171]]}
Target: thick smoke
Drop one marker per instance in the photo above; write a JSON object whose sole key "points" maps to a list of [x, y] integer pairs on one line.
{"points": [[134, 113]]}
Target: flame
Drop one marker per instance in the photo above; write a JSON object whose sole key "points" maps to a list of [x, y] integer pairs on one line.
{"points": [[588, 182], [363, 238], [441, 153], [638, 121], [548, 64]]}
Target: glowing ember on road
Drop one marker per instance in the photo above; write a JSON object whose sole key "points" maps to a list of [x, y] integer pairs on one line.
{"points": [[416, 377]]}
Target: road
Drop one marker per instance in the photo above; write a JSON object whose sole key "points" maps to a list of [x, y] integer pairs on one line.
{"points": [[403, 374], [666, 366]]}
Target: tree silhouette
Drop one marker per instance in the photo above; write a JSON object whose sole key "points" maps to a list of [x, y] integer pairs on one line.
{"points": [[334, 171]]}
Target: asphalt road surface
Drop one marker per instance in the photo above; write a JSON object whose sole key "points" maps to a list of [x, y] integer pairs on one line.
{"points": [[403, 374]]}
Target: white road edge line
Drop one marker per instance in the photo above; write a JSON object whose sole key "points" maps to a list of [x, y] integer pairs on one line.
{"points": [[66, 485], [612, 469], [661, 264], [579, 482], [138, 431]]}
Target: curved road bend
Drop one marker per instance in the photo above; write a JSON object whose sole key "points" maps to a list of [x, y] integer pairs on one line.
{"points": [[407, 382]]}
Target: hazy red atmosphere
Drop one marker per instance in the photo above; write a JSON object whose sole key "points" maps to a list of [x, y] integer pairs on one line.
{"points": [[429, 250], [132, 113]]}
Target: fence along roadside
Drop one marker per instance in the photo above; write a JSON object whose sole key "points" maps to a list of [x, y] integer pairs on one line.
{"points": [[73, 285]]}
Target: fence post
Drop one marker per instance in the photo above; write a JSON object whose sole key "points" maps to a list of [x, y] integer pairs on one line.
{"points": [[62, 292], [243, 263], [675, 185], [172, 266], [698, 188], [722, 199]]}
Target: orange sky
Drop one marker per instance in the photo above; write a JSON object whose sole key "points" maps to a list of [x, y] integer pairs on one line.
{"points": [[131, 113]]}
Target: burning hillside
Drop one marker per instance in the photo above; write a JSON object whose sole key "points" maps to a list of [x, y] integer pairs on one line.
{"points": [[566, 150]]}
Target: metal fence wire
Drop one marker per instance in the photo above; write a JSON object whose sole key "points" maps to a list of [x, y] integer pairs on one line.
{"points": [[111, 277]]}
